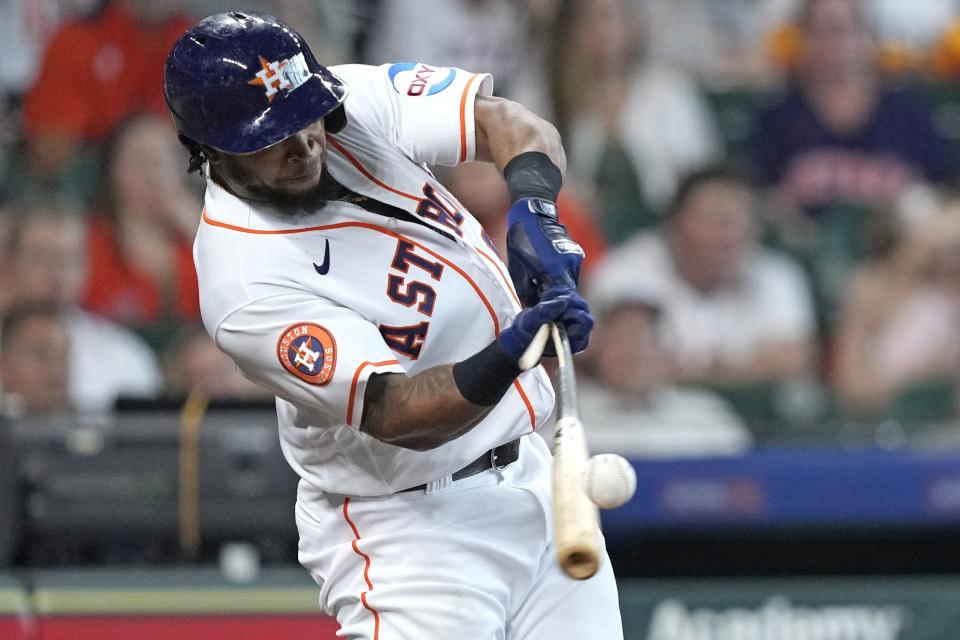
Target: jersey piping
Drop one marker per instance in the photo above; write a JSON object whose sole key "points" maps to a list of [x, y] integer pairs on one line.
{"points": [[366, 570], [356, 379], [346, 154], [463, 118], [372, 227], [493, 263], [526, 402]]}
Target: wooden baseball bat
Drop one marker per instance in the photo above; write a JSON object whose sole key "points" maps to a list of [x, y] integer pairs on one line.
{"points": [[534, 351], [575, 517]]}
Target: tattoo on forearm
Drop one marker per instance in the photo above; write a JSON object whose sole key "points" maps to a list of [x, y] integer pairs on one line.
{"points": [[373, 404], [430, 387], [412, 408]]}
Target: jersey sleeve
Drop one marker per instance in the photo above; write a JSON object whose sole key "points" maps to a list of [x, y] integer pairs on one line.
{"points": [[308, 351], [427, 109]]}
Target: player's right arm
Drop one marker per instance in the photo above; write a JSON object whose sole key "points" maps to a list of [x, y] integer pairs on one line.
{"points": [[418, 412], [426, 410], [333, 363]]}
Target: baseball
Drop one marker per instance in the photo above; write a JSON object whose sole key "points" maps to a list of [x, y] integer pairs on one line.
{"points": [[609, 480]]}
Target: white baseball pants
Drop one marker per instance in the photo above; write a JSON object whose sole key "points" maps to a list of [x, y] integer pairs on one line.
{"points": [[466, 560]]}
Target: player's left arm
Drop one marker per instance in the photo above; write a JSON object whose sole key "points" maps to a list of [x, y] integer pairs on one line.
{"points": [[505, 129], [447, 116], [529, 153]]}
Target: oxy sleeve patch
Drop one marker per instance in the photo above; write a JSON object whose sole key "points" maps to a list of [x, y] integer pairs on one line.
{"points": [[308, 351], [418, 79]]}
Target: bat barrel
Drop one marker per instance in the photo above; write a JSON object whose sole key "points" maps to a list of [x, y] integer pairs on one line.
{"points": [[579, 561], [576, 518]]}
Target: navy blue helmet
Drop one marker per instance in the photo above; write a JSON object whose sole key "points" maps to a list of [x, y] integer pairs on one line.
{"points": [[242, 81]]}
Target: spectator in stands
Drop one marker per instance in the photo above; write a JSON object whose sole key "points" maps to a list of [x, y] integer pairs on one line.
{"points": [[733, 312], [631, 126], [95, 71], [329, 26], [840, 135], [911, 36], [35, 359], [482, 191], [900, 325], [630, 400], [913, 28], [25, 29], [44, 260], [47, 265], [6, 225], [194, 363], [141, 238], [721, 42], [487, 36]]}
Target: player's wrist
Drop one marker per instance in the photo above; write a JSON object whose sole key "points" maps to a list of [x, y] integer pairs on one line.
{"points": [[532, 175], [485, 377]]}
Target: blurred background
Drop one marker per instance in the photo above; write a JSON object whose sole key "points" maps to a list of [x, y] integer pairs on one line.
{"points": [[766, 191]]}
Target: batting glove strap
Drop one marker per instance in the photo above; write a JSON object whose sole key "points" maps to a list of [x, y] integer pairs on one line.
{"points": [[541, 252]]}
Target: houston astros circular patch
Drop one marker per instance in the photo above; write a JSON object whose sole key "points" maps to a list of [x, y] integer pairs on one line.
{"points": [[308, 351]]}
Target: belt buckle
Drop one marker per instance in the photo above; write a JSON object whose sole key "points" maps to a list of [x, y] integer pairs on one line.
{"points": [[493, 460]]}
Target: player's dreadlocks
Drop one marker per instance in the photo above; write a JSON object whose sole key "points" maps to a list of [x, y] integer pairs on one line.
{"points": [[197, 155]]}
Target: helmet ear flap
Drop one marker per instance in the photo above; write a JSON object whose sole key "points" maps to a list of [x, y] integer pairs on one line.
{"points": [[336, 120]]}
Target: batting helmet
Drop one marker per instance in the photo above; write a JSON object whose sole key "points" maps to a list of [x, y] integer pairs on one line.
{"points": [[242, 81]]}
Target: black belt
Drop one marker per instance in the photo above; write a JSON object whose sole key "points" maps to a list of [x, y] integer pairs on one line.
{"points": [[497, 458]]}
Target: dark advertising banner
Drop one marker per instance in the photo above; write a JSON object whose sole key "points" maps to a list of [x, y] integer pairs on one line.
{"points": [[788, 486], [801, 609]]}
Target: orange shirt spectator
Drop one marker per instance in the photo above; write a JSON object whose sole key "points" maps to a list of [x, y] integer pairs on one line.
{"points": [[140, 239], [121, 291], [94, 73], [97, 70]]}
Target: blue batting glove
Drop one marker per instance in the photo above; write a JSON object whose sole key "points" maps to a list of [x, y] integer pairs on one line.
{"points": [[558, 304], [540, 252]]}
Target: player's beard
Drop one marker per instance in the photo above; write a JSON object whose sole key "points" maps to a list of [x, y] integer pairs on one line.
{"points": [[285, 202], [298, 203]]}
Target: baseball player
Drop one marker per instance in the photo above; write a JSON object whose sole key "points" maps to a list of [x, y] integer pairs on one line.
{"points": [[339, 274]]}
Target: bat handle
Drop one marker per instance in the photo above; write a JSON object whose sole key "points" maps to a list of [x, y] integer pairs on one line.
{"points": [[567, 404], [534, 351]]}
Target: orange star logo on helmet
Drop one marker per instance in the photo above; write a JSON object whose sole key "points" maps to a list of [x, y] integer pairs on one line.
{"points": [[270, 77], [281, 74]]}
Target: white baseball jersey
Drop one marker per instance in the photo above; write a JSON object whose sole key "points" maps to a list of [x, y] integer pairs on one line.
{"points": [[311, 306]]}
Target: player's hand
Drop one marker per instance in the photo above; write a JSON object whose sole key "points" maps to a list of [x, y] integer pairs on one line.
{"points": [[558, 304], [540, 252]]}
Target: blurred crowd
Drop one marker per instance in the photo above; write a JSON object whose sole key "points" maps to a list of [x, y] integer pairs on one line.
{"points": [[765, 190]]}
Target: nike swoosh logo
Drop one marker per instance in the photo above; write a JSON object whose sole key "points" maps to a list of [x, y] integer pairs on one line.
{"points": [[323, 267]]}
